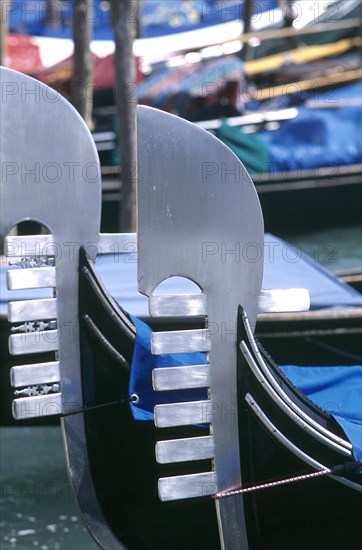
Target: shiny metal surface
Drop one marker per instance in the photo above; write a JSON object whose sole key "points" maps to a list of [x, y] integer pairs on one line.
{"points": [[34, 342], [177, 306], [188, 486], [181, 450], [29, 245], [116, 243], [36, 373], [269, 301], [181, 341], [50, 174], [280, 300], [199, 216], [37, 406], [37, 277], [181, 378], [32, 310], [182, 414]]}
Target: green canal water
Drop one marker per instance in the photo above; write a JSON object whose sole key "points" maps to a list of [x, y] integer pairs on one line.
{"points": [[37, 507]]}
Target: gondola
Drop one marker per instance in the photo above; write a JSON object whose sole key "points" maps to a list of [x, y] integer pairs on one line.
{"points": [[174, 438], [271, 521], [333, 320]]}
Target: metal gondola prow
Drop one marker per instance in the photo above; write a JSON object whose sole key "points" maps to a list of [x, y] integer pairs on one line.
{"points": [[49, 164], [50, 175], [199, 218]]}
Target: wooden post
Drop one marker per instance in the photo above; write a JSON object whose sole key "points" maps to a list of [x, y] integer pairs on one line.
{"points": [[248, 11], [82, 91], [53, 19], [124, 19], [3, 29], [289, 14]]}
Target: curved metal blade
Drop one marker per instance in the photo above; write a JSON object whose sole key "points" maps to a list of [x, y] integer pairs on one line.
{"points": [[200, 218]]}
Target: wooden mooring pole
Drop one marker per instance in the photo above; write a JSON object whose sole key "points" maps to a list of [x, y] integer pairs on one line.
{"points": [[124, 19]]}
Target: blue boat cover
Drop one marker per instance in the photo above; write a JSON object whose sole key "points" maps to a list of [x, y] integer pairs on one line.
{"points": [[336, 389], [285, 266], [156, 17], [143, 362], [329, 134]]}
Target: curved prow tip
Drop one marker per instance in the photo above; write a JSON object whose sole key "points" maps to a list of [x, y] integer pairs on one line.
{"points": [[198, 213], [51, 176]]}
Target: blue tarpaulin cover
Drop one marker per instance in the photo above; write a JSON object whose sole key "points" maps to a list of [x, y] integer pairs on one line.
{"points": [[156, 17], [143, 362], [287, 266], [328, 134], [336, 389]]}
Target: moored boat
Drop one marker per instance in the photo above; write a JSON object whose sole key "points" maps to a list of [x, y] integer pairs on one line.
{"points": [[141, 484]]}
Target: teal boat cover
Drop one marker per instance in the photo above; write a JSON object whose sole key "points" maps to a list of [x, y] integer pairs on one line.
{"points": [[253, 151]]}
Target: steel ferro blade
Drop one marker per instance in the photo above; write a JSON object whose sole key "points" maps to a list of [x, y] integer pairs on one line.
{"points": [[200, 218]]}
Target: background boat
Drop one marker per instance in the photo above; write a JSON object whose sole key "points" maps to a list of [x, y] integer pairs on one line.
{"points": [[299, 139]]}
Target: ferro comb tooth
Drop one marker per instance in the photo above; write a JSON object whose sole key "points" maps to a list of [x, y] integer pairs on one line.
{"points": [[110, 243], [284, 299], [182, 450], [178, 305], [33, 342], [36, 277], [35, 373], [29, 245], [180, 341], [181, 378], [32, 310], [187, 486], [37, 406], [182, 414]]}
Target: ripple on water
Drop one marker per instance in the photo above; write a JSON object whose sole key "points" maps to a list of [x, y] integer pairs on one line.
{"points": [[38, 509]]}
